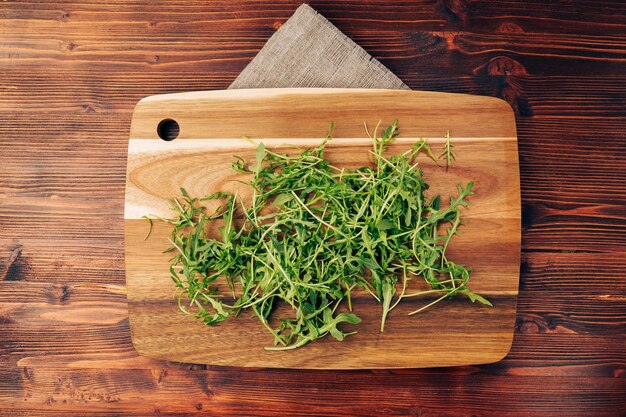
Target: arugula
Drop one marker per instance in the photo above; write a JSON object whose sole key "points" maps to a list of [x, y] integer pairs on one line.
{"points": [[312, 234], [448, 151]]}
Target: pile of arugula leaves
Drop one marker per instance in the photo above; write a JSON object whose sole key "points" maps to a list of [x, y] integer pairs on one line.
{"points": [[312, 234]]}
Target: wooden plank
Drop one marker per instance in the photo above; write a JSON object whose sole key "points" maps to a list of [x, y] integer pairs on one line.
{"points": [[233, 392], [199, 160], [412, 40], [37, 317], [543, 95]]}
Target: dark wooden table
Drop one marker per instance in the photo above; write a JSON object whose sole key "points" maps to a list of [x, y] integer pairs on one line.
{"points": [[70, 75]]}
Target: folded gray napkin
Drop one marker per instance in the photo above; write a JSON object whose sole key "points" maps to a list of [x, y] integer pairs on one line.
{"points": [[309, 51]]}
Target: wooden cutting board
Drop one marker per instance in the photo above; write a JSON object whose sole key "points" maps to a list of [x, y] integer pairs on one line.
{"points": [[210, 128]]}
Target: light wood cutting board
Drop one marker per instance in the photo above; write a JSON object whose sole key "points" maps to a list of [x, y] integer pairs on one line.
{"points": [[211, 125]]}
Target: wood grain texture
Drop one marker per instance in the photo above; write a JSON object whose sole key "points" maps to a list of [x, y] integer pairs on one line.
{"points": [[70, 75], [285, 119], [270, 393]]}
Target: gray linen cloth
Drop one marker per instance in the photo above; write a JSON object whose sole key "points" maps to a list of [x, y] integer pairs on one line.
{"points": [[309, 51]]}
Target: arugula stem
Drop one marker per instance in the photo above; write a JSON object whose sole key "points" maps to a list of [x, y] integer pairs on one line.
{"points": [[419, 310]]}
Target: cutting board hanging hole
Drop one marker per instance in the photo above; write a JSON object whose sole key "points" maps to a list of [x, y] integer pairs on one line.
{"points": [[168, 129]]}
